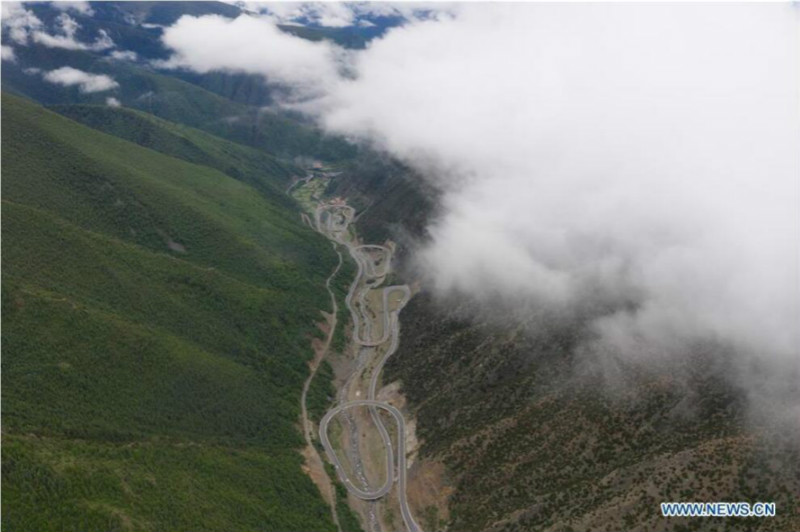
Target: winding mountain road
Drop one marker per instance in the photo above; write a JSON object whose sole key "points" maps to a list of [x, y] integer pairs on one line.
{"points": [[333, 220]]}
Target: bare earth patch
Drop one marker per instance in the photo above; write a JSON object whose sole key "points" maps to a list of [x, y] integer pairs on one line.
{"points": [[428, 489]]}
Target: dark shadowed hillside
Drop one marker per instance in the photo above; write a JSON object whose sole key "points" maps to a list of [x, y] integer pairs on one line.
{"points": [[534, 442]]}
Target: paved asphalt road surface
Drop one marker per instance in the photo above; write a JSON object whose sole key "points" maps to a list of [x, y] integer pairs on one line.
{"points": [[333, 221]]}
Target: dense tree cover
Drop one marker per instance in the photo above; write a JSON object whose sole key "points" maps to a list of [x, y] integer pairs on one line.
{"points": [[156, 319], [535, 440], [321, 392]]}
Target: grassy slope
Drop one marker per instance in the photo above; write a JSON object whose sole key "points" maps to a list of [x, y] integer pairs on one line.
{"points": [[252, 166], [148, 387]]}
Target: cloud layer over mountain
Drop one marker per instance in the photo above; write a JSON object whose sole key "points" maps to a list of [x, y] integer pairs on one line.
{"points": [[86, 82], [23, 26], [344, 14], [250, 44], [641, 160]]}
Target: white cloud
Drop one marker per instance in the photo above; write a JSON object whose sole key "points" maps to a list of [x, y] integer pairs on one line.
{"points": [[124, 55], [332, 14], [638, 161], [66, 39], [79, 7], [68, 26], [112, 102], [31, 71], [103, 41], [23, 26], [607, 149], [8, 54], [18, 21], [250, 44], [344, 14], [87, 83]]}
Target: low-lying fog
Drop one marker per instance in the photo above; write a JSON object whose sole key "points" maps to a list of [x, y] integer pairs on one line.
{"points": [[645, 157]]}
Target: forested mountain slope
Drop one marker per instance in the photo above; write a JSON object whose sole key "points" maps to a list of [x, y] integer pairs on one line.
{"points": [[157, 317]]}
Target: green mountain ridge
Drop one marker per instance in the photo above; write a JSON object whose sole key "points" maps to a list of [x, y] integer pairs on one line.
{"points": [[157, 317], [172, 99], [254, 167]]}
